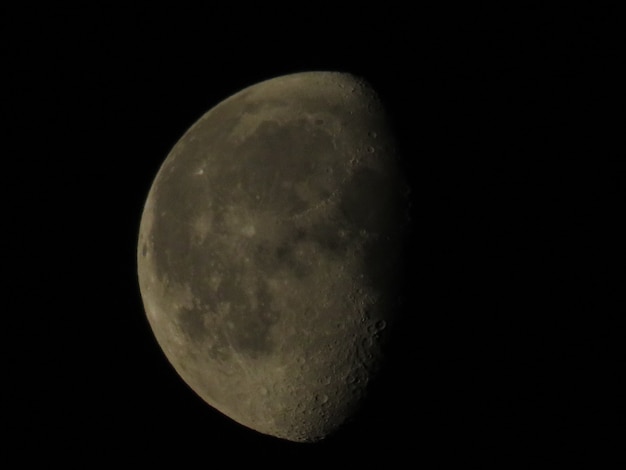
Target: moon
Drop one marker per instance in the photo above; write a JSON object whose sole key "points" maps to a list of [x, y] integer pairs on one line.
{"points": [[269, 253]]}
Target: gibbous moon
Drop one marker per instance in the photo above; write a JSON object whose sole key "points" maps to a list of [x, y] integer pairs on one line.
{"points": [[270, 249]]}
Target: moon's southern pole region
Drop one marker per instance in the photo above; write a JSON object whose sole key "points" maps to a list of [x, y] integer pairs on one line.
{"points": [[270, 248]]}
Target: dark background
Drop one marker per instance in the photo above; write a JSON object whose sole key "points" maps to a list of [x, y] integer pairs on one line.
{"points": [[511, 346]]}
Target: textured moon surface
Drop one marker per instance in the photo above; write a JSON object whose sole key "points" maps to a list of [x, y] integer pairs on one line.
{"points": [[270, 248]]}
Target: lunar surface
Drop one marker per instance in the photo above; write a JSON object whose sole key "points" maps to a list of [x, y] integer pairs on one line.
{"points": [[269, 252]]}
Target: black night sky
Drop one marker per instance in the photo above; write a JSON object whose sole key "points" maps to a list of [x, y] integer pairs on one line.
{"points": [[511, 346]]}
